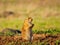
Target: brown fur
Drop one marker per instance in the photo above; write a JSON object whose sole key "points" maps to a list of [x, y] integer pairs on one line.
{"points": [[27, 29]]}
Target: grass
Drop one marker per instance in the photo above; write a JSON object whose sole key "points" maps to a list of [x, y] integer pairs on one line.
{"points": [[40, 24]]}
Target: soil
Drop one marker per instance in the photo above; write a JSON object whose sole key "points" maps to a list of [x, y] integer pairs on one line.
{"points": [[50, 39]]}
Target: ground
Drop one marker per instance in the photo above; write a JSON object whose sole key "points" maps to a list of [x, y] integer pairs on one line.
{"points": [[39, 39]]}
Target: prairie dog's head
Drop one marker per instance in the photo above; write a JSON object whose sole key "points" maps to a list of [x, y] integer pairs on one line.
{"points": [[30, 19]]}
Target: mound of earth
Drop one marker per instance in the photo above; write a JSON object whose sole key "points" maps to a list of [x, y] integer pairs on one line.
{"points": [[49, 39]]}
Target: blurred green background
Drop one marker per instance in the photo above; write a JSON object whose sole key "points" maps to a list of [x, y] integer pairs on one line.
{"points": [[45, 13]]}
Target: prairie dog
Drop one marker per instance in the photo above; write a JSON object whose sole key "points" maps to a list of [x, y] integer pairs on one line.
{"points": [[27, 29]]}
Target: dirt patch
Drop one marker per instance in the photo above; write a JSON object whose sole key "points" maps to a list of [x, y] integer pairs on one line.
{"points": [[49, 39]]}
